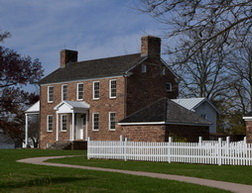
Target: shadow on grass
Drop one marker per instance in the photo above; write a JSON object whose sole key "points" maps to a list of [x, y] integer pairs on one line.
{"points": [[41, 182]]}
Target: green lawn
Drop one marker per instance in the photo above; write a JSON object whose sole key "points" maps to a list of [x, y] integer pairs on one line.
{"points": [[26, 178], [237, 174]]}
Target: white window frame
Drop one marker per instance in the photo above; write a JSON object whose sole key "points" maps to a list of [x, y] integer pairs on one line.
{"points": [[62, 92], [112, 129], [78, 92], [48, 124], [48, 94], [93, 121], [94, 91], [143, 68], [110, 89], [61, 123], [170, 87]]}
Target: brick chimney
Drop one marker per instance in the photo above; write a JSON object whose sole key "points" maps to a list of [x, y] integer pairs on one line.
{"points": [[68, 56], [151, 47]]}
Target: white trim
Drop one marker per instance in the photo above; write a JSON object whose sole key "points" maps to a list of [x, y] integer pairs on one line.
{"points": [[146, 57], [143, 123], [109, 122], [62, 86], [247, 118], [169, 90], [177, 76], [49, 101], [61, 122], [47, 124], [94, 98], [57, 126], [110, 89], [95, 113], [26, 129], [77, 91], [82, 80], [143, 68]]}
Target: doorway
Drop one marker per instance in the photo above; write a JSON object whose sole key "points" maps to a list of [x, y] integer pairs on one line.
{"points": [[80, 126]]}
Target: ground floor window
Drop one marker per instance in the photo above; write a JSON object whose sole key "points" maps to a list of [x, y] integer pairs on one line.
{"points": [[63, 123], [96, 119], [112, 120], [49, 123]]}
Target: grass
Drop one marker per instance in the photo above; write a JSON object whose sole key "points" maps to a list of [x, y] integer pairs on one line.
{"points": [[26, 178], [236, 174]]}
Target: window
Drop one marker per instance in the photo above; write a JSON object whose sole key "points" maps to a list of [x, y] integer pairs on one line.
{"points": [[112, 89], [64, 92], [63, 123], [80, 91], [203, 116], [49, 123], [143, 68], [112, 121], [168, 87], [96, 90], [163, 71], [96, 118], [50, 94]]}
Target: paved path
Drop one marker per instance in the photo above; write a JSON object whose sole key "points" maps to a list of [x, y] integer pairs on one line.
{"points": [[233, 187]]}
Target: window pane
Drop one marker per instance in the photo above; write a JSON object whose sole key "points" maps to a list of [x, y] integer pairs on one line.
{"points": [[96, 88], [64, 92], [80, 91], [50, 94], [49, 122], [112, 88], [112, 117], [95, 121], [63, 122]]}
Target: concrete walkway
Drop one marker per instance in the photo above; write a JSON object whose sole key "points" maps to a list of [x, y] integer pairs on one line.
{"points": [[233, 187]]}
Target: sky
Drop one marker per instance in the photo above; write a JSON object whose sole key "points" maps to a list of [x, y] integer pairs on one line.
{"points": [[95, 28]]}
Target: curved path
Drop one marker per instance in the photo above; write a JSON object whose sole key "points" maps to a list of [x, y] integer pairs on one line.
{"points": [[233, 187]]}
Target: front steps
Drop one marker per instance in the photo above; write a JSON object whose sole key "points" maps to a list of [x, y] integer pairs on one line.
{"points": [[68, 145]]}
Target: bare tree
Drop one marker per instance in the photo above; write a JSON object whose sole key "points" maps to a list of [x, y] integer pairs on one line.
{"points": [[240, 65], [229, 17], [205, 73]]}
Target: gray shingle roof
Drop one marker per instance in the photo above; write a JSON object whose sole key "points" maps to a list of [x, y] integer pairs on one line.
{"points": [[165, 110], [93, 69]]}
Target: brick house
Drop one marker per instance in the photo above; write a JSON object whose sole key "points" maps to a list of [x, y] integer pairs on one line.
{"points": [[88, 98]]}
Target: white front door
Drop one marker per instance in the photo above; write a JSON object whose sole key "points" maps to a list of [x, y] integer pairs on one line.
{"points": [[80, 124]]}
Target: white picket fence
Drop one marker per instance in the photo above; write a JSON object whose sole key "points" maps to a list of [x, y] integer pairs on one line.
{"points": [[218, 152]]}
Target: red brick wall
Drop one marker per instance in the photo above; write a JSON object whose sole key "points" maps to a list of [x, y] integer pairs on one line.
{"points": [[146, 88], [151, 133], [191, 133], [249, 131], [104, 105]]}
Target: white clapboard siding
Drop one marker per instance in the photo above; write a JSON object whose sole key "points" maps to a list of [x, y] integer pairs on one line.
{"points": [[218, 152]]}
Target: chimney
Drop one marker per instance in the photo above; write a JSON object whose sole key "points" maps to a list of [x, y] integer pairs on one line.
{"points": [[68, 56], [151, 47]]}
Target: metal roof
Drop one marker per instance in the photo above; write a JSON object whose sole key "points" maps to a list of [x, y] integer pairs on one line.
{"points": [[192, 103]]}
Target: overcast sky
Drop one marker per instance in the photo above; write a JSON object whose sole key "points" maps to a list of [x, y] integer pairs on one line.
{"points": [[95, 28]]}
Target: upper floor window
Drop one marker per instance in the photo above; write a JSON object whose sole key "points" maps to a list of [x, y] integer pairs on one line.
{"points": [[64, 92], [63, 123], [143, 68], [80, 91], [168, 86], [112, 89], [163, 71], [49, 123], [96, 119], [96, 90], [50, 94], [112, 121]]}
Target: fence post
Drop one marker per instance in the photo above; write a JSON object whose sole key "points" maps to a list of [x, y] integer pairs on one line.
{"points": [[169, 149], [219, 150], [200, 141], [88, 148], [125, 149]]}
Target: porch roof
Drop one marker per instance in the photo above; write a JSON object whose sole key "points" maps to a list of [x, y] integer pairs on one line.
{"points": [[34, 109], [71, 107]]}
